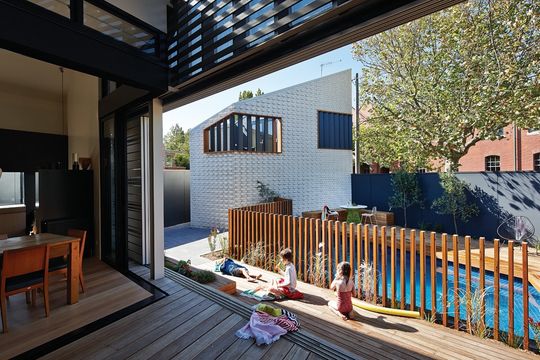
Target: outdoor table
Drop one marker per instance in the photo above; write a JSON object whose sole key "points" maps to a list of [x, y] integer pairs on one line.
{"points": [[353, 212], [22, 242]]}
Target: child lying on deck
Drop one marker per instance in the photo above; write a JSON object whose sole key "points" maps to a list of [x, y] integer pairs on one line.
{"points": [[229, 267]]}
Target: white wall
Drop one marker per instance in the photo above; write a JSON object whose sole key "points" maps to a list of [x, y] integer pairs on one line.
{"points": [[82, 95], [153, 12], [30, 94], [311, 177]]}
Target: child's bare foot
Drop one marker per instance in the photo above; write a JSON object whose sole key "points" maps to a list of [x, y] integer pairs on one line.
{"points": [[351, 315], [344, 317], [258, 277]]}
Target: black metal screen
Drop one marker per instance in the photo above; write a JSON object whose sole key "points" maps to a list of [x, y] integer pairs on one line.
{"points": [[211, 32]]}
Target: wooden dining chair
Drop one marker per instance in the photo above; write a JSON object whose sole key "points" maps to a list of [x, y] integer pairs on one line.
{"points": [[24, 270], [59, 254], [3, 236]]}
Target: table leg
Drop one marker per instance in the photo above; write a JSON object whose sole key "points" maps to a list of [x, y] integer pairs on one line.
{"points": [[73, 273]]}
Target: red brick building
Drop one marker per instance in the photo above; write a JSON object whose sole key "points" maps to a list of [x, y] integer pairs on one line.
{"points": [[514, 152]]}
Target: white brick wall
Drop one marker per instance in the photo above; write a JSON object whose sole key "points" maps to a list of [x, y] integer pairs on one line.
{"points": [[309, 176]]}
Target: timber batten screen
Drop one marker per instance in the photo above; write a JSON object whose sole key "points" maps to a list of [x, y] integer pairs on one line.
{"points": [[244, 133]]}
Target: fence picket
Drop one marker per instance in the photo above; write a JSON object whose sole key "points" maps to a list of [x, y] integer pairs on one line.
{"points": [[317, 241], [482, 282], [444, 244], [343, 241], [393, 267], [496, 288], [336, 244], [308, 237], [375, 256], [525, 277], [510, 292], [358, 257], [294, 234], [330, 237], [455, 252], [383, 265], [422, 273], [402, 251], [468, 281], [433, 272], [412, 264]]}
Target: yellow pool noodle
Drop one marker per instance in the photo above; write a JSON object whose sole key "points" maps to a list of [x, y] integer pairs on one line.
{"points": [[387, 311]]}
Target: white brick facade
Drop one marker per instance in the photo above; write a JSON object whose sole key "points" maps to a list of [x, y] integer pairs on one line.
{"points": [[311, 177]]}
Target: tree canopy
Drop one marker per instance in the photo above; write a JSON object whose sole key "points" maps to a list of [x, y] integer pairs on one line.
{"points": [[440, 84], [176, 142], [248, 94]]}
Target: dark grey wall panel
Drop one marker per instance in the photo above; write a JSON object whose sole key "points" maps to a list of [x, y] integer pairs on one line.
{"points": [[176, 196], [497, 195], [335, 130]]}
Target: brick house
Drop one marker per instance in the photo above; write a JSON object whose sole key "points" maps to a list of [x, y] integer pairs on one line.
{"points": [[513, 152]]}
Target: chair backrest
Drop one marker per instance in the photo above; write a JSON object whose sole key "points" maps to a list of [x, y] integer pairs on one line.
{"points": [[81, 234], [25, 261], [3, 236], [374, 210]]}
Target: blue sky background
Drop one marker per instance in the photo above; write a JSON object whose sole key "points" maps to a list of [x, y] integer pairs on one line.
{"points": [[190, 115]]}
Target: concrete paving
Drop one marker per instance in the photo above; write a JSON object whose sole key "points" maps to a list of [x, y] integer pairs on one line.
{"points": [[187, 243]]}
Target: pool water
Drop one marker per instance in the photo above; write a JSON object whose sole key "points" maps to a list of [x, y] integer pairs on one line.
{"points": [[534, 295]]}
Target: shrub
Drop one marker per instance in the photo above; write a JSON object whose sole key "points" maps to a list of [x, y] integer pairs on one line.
{"points": [[265, 193], [212, 238], [317, 273], [203, 276], [454, 200], [407, 192]]}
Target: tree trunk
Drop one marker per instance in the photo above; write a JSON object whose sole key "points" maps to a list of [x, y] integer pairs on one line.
{"points": [[455, 223], [405, 215]]}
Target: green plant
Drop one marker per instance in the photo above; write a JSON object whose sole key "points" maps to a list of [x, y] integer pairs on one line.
{"points": [[255, 255], [212, 239], [407, 192], [224, 243], [454, 200], [266, 194], [535, 326], [367, 275], [317, 273], [438, 228], [203, 276], [476, 312], [424, 226]]}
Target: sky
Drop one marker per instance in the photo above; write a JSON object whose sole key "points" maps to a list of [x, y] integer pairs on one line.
{"points": [[191, 115]]}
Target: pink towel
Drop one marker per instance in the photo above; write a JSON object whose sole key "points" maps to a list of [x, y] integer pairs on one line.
{"points": [[264, 332]]}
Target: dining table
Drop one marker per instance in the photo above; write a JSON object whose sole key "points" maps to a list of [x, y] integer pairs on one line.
{"points": [[56, 242]]}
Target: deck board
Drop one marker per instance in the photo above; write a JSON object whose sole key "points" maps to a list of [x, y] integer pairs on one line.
{"points": [[381, 336], [107, 291]]}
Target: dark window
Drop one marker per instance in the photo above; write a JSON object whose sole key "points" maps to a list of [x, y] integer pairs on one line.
{"points": [[244, 132], [493, 163], [365, 168], [536, 162], [335, 130]]}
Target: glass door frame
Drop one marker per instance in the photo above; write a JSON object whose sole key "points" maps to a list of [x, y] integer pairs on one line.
{"points": [[118, 258]]}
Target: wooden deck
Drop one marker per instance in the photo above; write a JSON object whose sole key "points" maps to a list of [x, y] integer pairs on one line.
{"points": [[193, 322], [375, 336], [107, 291]]}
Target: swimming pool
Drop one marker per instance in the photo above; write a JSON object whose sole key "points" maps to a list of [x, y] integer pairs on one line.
{"points": [[534, 295]]}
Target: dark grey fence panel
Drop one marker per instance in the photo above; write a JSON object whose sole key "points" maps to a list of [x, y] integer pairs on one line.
{"points": [[176, 193], [498, 196]]}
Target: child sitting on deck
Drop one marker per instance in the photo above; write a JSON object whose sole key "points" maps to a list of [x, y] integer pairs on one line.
{"points": [[344, 288], [229, 267], [286, 286]]}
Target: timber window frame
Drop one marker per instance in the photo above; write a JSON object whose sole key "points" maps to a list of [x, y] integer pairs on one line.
{"points": [[492, 163], [244, 133]]}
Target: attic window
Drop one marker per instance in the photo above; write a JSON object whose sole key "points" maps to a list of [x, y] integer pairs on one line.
{"points": [[244, 132]]}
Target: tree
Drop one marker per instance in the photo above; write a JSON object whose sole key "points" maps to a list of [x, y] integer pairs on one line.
{"points": [[454, 200], [444, 82], [176, 141], [407, 192], [248, 94]]}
